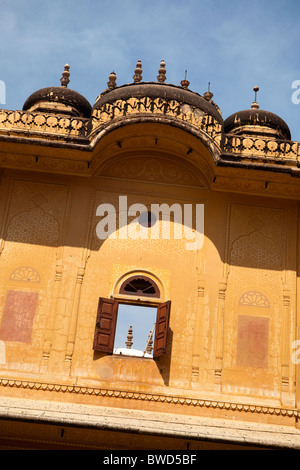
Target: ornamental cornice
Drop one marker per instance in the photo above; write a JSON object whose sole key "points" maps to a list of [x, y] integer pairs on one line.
{"points": [[75, 133], [192, 402]]}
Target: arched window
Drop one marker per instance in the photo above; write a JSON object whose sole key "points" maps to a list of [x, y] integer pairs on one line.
{"points": [[140, 286], [133, 317]]}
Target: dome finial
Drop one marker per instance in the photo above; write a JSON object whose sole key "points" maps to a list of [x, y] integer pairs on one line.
{"points": [[255, 104], [137, 77], [208, 94], [161, 77], [65, 76], [185, 83], [112, 80]]}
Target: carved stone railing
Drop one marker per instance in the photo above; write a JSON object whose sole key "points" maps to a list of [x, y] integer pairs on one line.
{"points": [[263, 148], [147, 106], [58, 127], [42, 125]]}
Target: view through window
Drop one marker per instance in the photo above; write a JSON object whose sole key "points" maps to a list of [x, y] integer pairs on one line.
{"points": [[135, 330]]}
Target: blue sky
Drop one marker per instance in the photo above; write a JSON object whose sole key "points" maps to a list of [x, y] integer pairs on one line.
{"points": [[141, 318], [234, 44]]}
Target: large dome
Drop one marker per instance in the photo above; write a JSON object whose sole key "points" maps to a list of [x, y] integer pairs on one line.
{"points": [[59, 99], [256, 121], [165, 93], [159, 90]]}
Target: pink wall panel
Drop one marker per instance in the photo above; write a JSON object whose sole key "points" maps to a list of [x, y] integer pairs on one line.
{"points": [[18, 316], [253, 339]]}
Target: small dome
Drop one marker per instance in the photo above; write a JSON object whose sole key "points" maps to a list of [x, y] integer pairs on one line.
{"points": [[59, 100], [257, 121]]}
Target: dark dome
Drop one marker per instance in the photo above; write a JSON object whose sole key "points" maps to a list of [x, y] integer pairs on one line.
{"points": [[257, 121], [59, 99], [71, 102], [159, 90]]}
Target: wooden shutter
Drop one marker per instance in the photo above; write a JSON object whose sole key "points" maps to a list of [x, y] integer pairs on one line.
{"points": [[161, 329], [105, 325]]}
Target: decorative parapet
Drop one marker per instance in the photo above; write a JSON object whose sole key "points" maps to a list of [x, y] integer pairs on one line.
{"points": [[282, 151], [170, 110], [43, 126], [64, 128]]}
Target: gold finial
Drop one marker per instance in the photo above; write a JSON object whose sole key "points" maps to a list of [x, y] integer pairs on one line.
{"points": [[208, 94], [161, 77], [137, 77], [112, 81], [255, 104], [65, 76], [185, 83]]}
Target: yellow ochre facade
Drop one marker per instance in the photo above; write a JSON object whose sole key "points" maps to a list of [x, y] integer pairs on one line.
{"points": [[223, 370]]}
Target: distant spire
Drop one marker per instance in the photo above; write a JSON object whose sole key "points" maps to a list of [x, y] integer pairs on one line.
{"points": [[161, 77], [185, 83], [149, 345], [129, 341], [65, 76], [112, 80], [137, 77], [255, 104]]}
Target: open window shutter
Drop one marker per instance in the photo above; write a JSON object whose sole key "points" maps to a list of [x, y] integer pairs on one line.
{"points": [[161, 329], [105, 325]]}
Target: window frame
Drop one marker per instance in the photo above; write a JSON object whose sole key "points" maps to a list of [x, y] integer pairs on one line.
{"points": [[106, 321]]}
